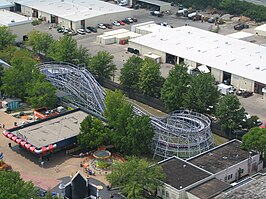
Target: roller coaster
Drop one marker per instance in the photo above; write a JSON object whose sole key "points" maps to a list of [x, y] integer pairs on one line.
{"points": [[182, 133]]}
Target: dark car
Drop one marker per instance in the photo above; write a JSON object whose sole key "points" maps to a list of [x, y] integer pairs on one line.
{"points": [[60, 29], [131, 50], [109, 26], [125, 21], [92, 29], [241, 26], [134, 19], [247, 94]]}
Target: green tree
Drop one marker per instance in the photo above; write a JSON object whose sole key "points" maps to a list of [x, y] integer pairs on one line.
{"points": [[41, 93], [131, 134], [150, 80], [229, 112], [65, 49], [102, 65], [134, 176], [130, 73], [13, 187], [93, 133], [175, 88], [6, 37], [202, 93], [17, 77], [1, 74], [255, 140], [82, 55], [40, 41], [8, 53]]}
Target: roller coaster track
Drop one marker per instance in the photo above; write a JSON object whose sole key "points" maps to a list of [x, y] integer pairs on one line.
{"points": [[181, 133]]}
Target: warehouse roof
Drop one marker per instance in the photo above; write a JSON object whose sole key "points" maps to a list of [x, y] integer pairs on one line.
{"points": [[262, 27], [73, 10], [155, 2], [221, 157], [8, 18], [180, 174], [240, 35], [234, 56], [5, 4], [51, 130], [209, 189]]}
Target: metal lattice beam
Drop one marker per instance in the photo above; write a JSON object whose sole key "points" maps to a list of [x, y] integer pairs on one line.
{"points": [[182, 133]]}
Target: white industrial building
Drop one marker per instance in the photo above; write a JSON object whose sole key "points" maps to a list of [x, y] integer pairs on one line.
{"points": [[245, 36], [18, 24], [6, 5], [73, 14], [261, 30], [241, 63]]}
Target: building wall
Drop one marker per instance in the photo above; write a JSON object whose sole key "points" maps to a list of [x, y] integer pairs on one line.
{"points": [[261, 32], [231, 174], [168, 192], [45, 16], [217, 74], [165, 7], [191, 196], [241, 82], [21, 30], [189, 63], [26, 11], [145, 50]]}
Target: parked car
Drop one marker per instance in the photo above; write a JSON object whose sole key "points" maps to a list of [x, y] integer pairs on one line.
{"points": [[81, 31], [60, 30], [109, 26], [241, 26], [72, 32], [92, 29], [134, 19], [211, 20], [87, 30], [156, 13], [121, 23], [101, 26], [247, 94], [116, 23], [131, 50], [129, 19], [125, 21]]}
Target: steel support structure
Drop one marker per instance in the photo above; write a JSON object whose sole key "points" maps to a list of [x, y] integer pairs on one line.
{"points": [[182, 133]]}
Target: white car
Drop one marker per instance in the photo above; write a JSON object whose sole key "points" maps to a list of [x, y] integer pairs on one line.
{"points": [[116, 23], [129, 19], [81, 31], [100, 25]]}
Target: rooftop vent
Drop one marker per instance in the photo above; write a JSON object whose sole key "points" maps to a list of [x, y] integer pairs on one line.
{"points": [[225, 158], [180, 187], [210, 154], [184, 166], [257, 67]]}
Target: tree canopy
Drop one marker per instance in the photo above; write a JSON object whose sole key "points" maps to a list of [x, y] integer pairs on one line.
{"points": [[66, 50], [229, 112], [40, 41], [6, 37], [130, 73], [255, 140], [131, 134], [13, 187], [175, 87], [93, 133], [134, 176], [201, 93], [102, 65], [150, 79]]}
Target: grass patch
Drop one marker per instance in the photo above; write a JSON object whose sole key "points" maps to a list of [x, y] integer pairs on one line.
{"points": [[218, 140]]}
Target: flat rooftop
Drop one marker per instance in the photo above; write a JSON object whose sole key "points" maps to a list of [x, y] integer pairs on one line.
{"points": [[231, 55], [155, 2], [240, 35], [5, 4], [256, 188], [52, 130], [180, 174], [219, 158], [209, 189], [8, 18], [73, 10]]}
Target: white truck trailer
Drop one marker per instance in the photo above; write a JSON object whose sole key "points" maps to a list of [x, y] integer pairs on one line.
{"points": [[225, 89]]}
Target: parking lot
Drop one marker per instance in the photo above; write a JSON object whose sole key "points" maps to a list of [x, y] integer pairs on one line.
{"points": [[121, 55]]}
